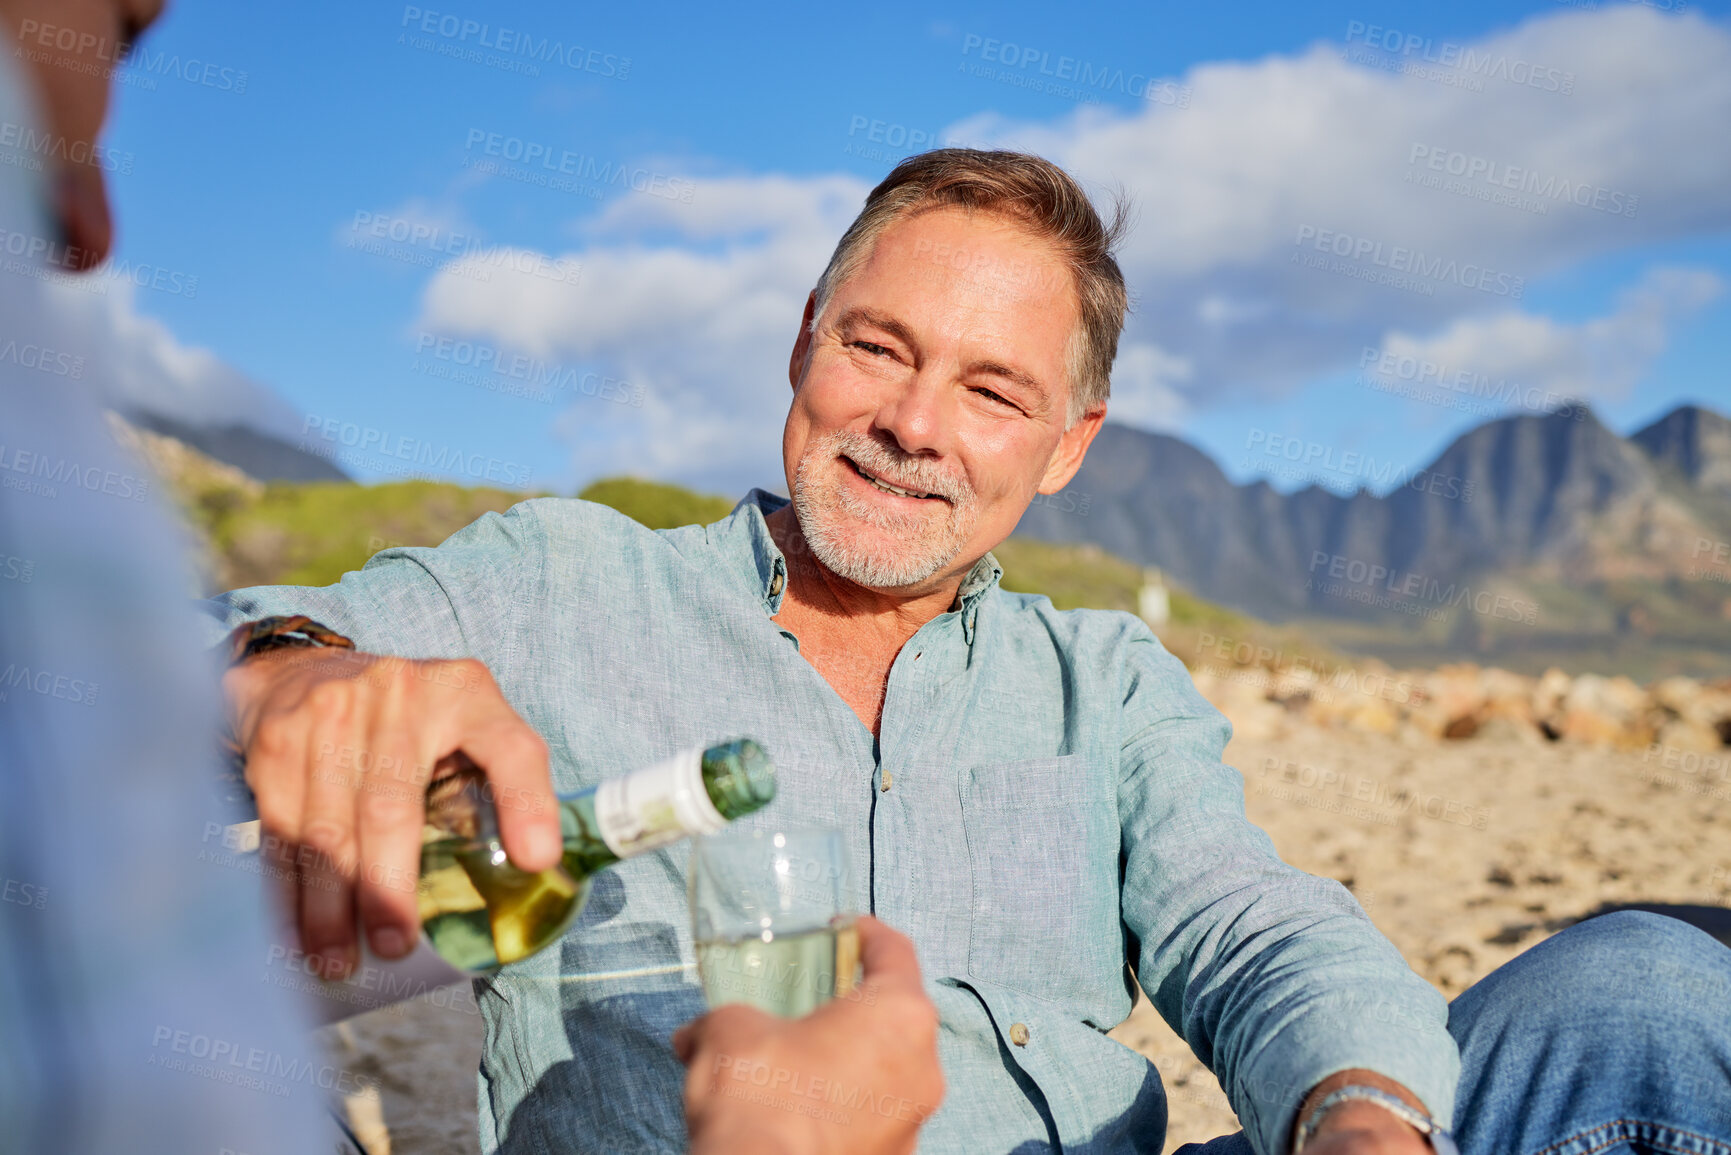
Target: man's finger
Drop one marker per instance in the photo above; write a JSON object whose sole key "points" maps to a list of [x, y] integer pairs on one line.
{"points": [[736, 1023], [327, 856], [275, 772], [515, 759], [327, 908], [685, 1042], [390, 811], [281, 884], [887, 955]]}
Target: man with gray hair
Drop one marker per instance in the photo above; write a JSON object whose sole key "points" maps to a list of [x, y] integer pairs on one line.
{"points": [[1036, 797]]}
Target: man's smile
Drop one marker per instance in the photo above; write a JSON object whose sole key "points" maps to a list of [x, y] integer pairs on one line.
{"points": [[888, 487]]}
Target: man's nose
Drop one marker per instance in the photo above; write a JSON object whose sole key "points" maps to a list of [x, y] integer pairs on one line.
{"points": [[916, 416]]}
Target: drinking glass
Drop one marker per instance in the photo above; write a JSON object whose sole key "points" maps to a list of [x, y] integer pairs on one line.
{"points": [[772, 920]]}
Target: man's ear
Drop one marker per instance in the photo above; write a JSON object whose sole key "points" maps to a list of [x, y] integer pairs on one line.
{"points": [[801, 355], [1072, 447]]}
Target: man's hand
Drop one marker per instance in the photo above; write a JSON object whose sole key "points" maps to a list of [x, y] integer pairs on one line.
{"points": [[339, 748], [857, 1076]]}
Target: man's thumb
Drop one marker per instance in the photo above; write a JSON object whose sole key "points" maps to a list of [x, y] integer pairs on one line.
{"points": [[685, 1042]]}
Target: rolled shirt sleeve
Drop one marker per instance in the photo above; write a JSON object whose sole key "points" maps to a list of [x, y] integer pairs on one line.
{"points": [[464, 598], [1276, 978]]}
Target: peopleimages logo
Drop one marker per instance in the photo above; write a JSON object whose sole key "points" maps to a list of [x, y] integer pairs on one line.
{"points": [[24, 894], [1661, 5], [1310, 456], [47, 683], [1372, 584], [1071, 77], [42, 474], [107, 57], [1386, 367], [488, 367], [48, 252], [516, 50], [1409, 48], [258, 1069], [428, 245], [42, 359], [1720, 554], [1387, 801], [1322, 674], [1514, 185], [360, 440], [49, 258], [554, 162], [33, 145], [368, 987], [1398, 259], [896, 139]]}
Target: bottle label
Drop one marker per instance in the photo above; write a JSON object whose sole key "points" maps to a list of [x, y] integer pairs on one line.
{"points": [[657, 805]]}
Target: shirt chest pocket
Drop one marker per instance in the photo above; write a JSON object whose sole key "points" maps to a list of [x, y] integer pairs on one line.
{"points": [[1043, 850]]}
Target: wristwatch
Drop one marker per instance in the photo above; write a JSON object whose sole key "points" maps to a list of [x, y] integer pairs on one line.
{"points": [[281, 632], [245, 640], [1441, 1141]]}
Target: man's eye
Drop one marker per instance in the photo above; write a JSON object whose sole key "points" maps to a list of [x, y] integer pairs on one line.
{"points": [[875, 350], [999, 398]]}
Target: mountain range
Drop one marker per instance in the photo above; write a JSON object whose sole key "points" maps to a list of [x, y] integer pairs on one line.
{"points": [[1529, 539], [258, 455]]}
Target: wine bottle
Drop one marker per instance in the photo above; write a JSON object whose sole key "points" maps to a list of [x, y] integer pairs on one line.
{"points": [[481, 913]]}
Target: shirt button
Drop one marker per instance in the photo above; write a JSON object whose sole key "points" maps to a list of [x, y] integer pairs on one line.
{"points": [[887, 779], [1019, 1034], [775, 584]]}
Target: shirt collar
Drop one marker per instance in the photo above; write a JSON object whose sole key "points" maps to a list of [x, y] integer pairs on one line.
{"points": [[769, 565], [981, 580]]}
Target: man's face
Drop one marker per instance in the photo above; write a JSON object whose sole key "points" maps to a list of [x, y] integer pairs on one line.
{"points": [[938, 368], [71, 49]]}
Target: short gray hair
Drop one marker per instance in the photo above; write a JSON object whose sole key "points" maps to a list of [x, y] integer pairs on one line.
{"points": [[1034, 192]]}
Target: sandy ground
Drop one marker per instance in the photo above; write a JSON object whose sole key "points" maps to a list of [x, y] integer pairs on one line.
{"points": [[1463, 853]]}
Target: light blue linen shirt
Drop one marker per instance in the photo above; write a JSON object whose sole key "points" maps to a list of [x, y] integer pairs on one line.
{"points": [[1045, 803], [132, 1017]]}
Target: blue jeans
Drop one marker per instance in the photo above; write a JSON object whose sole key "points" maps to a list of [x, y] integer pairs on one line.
{"points": [[1610, 1038]]}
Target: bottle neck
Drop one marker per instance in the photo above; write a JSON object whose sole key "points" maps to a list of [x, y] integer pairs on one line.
{"points": [[585, 850], [697, 791], [638, 812]]}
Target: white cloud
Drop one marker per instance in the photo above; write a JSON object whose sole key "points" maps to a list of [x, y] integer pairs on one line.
{"points": [[702, 317], [699, 301], [1597, 360], [1147, 384], [134, 361], [1287, 147]]}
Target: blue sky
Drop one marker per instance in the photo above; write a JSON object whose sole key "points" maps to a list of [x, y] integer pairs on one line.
{"points": [[662, 315]]}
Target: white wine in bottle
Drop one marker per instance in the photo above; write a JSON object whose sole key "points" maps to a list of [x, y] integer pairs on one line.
{"points": [[481, 913]]}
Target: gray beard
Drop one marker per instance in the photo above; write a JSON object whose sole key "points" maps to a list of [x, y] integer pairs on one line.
{"points": [[827, 510]]}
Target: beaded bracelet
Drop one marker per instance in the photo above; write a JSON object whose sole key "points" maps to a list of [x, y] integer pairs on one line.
{"points": [[1440, 1140]]}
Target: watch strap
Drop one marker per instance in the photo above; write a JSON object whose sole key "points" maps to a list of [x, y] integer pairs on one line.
{"points": [[280, 632]]}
